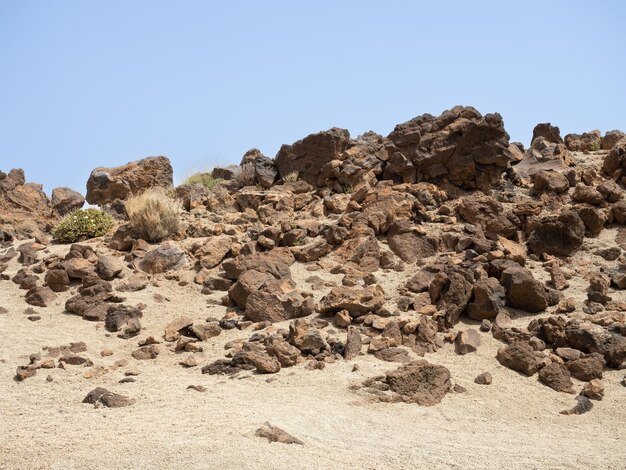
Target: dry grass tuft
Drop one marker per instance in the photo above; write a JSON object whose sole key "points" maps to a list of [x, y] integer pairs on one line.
{"points": [[154, 214]]}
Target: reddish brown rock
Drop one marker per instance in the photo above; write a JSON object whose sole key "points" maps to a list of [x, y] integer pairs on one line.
{"points": [[520, 357], [467, 341], [356, 300], [105, 185], [40, 296], [406, 242], [66, 200], [560, 236], [101, 396], [488, 299], [523, 291], [419, 382], [557, 377]]}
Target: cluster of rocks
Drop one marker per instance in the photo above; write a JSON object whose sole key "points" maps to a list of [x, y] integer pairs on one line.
{"points": [[26, 211], [473, 225]]}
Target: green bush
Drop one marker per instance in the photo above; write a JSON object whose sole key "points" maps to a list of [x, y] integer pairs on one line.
{"points": [[205, 179], [82, 224]]}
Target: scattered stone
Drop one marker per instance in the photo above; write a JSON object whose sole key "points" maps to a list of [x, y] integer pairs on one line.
{"points": [[419, 382], [484, 379], [594, 389], [582, 406], [557, 377], [146, 352], [467, 341], [275, 434], [101, 396]]}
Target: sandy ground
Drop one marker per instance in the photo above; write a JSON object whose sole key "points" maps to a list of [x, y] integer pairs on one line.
{"points": [[513, 423]]}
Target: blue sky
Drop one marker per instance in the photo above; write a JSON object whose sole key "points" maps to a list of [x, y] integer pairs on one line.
{"points": [[86, 84]]}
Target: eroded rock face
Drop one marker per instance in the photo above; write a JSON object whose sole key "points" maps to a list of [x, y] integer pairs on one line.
{"points": [[560, 236], [615, 162], [488, 299], [24, 207], [547, 152], [587, 141], [487, 212], [65, 200], [308, 156], [105, 185], [469, 149]]}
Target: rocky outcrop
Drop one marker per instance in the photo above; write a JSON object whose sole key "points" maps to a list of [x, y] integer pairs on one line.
{"points": [[105, 185], [24, 207], [460, 145]]}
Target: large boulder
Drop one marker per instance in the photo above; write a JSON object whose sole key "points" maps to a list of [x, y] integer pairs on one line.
{"points": [[161, 259], [523, 291], [488, 299], [24, 207], [611, 138], [560, 236], [65, 200], [265, 172], [419, 382], [306, 157], [588, 141], [406, 242], [520, 357], [547, 152], [468, 149], [105, 185], [615, 162], [487, 212], [356, 300]]}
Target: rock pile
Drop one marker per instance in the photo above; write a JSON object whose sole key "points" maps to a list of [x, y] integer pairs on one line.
{"points": [[399, 237]]}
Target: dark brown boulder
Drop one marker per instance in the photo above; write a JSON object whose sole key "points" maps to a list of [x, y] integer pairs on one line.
{"points": [[488, 213], [547, 152], [588, 141], [560, 236], [162, 259], [306, 157], [65, 200], [406, 242], [451, 290], [611, 138], [551, 181], [588, 367], [488, 299], [520, 357], [419, 382], [523, 291], [105, 185], [275, 262], [469, 149], [557, 377], [615, 162], [356, 300], [102, 396]]}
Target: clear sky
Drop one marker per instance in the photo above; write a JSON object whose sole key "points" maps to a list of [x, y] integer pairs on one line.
{"points": [[86, 84]]}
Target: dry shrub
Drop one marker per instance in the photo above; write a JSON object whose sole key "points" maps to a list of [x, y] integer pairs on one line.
{"points": [[205, 179], [244, 176], [154, 214]]}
